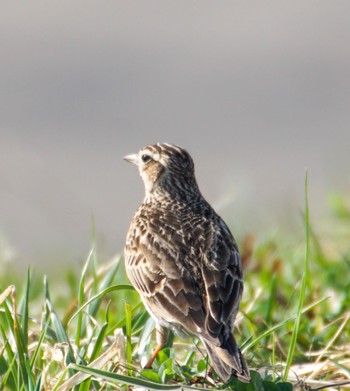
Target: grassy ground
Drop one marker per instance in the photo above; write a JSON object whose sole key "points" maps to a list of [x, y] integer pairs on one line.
{"points": [[90, 331]]}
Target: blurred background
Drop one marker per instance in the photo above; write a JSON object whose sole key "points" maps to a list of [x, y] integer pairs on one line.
{"points": [[256, 91]]}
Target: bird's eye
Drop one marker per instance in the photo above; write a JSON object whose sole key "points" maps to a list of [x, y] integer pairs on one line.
{"points": [[146, 158]]}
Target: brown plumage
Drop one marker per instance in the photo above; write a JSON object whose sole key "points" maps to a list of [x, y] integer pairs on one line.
{"points": [[183, 260]]}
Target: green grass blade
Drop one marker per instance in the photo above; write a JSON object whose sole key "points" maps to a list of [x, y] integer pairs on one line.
{"points": [[38, 384], [10, 379], [101, 294], [106, 282], [85, 385], [61, 333], [139, 321], [23, 309], [81, 295], [20, 351], [100, 338], [46, 289], [94, 256], [271, 299], [302, 293], [123, 379], [122, 321], [38, 347], [29, 374], [7, 344]]}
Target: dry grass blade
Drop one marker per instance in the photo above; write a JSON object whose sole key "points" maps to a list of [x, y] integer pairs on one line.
{"points": [[327, 347], [6, 293], [110, 354]]}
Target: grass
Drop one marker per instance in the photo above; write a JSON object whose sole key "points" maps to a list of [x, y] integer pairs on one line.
{"points": [[302, 292], [91, 332]]}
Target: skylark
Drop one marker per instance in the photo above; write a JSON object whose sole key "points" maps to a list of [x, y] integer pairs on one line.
{"points": [[183, 260]]}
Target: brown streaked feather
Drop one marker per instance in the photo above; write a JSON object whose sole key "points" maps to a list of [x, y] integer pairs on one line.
{"points": [[163, 284], [190, 272]]}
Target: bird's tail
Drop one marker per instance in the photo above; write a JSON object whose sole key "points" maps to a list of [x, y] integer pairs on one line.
{"points": [[228, 360]]}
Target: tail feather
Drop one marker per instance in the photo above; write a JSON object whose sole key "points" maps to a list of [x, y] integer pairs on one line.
{"points": [[228, 361]]}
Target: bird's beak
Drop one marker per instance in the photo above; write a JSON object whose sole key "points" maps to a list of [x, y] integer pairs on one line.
{"points": [[132, 159]]}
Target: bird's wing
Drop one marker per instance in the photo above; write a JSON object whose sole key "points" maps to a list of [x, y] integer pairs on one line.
{"points": [[156, 268], [222, 276]]}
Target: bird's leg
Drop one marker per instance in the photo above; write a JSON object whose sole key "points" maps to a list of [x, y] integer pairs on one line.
{"points": [[162, 337]]}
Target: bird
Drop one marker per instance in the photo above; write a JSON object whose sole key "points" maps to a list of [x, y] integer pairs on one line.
{"points": [[183, 260]]}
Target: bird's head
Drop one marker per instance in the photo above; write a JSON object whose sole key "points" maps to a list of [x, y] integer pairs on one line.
{"points": [[165, 168]]}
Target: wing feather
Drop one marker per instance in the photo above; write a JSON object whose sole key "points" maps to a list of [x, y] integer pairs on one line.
{"points": [[188, 271], [166, 285]]}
